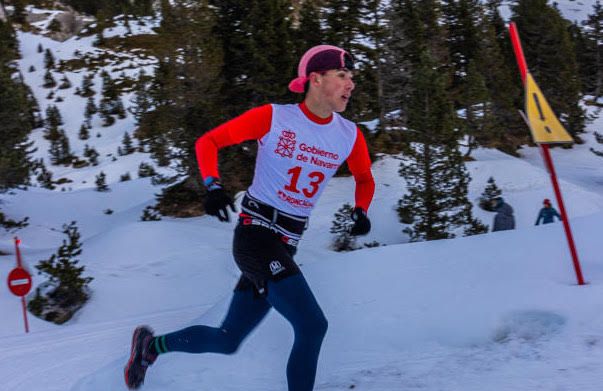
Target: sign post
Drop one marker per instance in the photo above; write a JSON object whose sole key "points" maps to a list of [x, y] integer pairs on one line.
{"points": [[19, 282], [546, 129]]}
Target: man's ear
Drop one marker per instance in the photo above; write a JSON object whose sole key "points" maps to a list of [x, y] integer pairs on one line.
{"points": [[315, 78]]}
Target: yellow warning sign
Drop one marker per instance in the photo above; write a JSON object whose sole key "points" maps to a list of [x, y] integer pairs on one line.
{"points": [[543, 122]]}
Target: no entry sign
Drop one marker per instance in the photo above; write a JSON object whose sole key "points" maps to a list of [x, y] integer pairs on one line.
{"points": [[19, 281]]}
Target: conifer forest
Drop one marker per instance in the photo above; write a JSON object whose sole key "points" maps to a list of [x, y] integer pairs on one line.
{"points": [[435, 79]]}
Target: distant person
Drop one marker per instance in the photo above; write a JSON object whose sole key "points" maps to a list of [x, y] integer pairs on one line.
{"points": [[504, 219], [300, 147], [547, 213]]}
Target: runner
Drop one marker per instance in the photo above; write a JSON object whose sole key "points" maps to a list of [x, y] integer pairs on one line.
{"points": [[300, 148]]}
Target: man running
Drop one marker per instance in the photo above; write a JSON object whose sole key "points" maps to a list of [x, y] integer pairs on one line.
{"points": [[300, 147]]}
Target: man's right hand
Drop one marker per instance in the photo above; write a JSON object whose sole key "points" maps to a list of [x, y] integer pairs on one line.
{"points": [[217, 202], [362, 224]]}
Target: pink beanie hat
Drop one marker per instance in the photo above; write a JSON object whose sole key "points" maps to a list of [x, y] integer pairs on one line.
{"points": [[318, 59]]}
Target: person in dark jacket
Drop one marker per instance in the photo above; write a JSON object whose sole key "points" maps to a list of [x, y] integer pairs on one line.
{"points": [[547, 213], [504, 219]]}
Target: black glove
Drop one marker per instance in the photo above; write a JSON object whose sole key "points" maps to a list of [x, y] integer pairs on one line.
{"points": [[362, 224], [217, 201]]}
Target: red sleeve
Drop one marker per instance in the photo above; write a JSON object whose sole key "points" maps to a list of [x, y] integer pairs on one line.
{"points": [[251, 125], [359, 164]]}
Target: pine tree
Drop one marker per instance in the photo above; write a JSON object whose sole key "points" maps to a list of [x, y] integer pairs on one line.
{"points": [[599, 139], [128, 148], [343, 240], [377, 14], [110, 102], [413, 27], [396, 76], [104, 111], [341, 21], [434, 169], [84, 134], [146, 170], [16, 115], [19, 12], [91, 109], [478, 119], [141, 104], [358, 26], [150, 213], [160, 151], [45, 177], [187, 97], [256, 38], [91, 154], [475, 227], [309, 31], [551, 57], [101, 182], [100, 38], [65, 83], [87, 83], [491, 192], [496, 64], [120, 110], [60, 151], [593, 64], [462, 20], [49, 81], [54, 119], [70, 285], [483, 88], [66, 154], [48, 59]]}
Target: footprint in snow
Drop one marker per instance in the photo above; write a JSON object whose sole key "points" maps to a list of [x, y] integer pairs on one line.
{"points": [[528, 326]]}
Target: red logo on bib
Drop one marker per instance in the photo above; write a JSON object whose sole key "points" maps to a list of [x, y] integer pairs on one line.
{"points": [[286, 144]]}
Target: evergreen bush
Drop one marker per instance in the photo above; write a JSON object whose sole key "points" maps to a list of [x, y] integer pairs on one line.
{"points": [[146, 170], [343, 240], [490, 193], [150, 213], [67, 287], [101, 184]]}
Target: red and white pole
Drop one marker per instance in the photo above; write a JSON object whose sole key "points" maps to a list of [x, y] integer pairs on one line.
{"points": [[546, 154], [20, 266]]}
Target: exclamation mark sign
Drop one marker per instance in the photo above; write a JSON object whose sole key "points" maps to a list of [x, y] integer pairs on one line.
{"points": [[537, 101]]}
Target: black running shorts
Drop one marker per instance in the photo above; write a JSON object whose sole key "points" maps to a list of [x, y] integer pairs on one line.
{"points": [[262, 255]]}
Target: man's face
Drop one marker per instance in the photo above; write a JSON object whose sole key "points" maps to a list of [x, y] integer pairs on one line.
{"points": [[335, 89]]}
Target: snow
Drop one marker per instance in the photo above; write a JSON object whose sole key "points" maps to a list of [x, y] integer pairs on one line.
{"points": [[499, 311]]}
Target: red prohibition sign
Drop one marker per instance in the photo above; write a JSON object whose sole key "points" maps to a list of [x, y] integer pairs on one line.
{"points": [[19, 281]]}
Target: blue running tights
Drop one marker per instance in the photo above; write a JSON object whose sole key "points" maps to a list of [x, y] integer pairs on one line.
{"points": [[293, 299]]}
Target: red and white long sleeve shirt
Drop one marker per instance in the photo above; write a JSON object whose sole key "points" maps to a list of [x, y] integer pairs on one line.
{"points": [[298, 153]]}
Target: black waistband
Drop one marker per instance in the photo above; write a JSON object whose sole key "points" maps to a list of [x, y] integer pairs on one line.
{"points": [[290, 225]]}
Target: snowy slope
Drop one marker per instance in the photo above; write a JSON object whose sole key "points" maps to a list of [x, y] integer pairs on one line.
{"points": [[498, 312], [500, 309]]}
